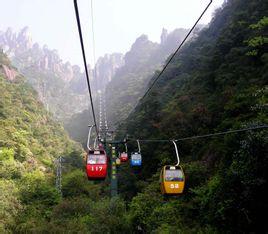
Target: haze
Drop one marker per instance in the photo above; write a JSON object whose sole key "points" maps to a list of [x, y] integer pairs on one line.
{"points": [[117, 23]]}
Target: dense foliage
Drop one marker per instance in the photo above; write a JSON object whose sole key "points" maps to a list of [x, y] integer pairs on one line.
{"points": [[141, 61], [129, 81], [30, 141], [217, 82]]}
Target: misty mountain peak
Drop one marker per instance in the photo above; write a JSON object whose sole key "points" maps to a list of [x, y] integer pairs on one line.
{"points": [[140, 41], [164, 35], [140, 49], [25, 33]]}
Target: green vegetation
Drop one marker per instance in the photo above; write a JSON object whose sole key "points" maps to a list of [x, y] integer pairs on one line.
{"points": [[30, 141], [129, 81], [141, 61], [218, 82]]}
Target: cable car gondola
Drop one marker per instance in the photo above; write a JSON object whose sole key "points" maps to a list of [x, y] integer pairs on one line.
{"points": [[136, 158], [124, 156], [172, 178], [96, 160], [96, 165], [118, 161]]}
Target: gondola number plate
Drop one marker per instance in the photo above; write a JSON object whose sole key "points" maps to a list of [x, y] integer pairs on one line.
{"points": [[97, 168], [174, 186]]}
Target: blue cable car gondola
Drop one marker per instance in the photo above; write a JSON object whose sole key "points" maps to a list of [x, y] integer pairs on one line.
{"points": [[136, 158]]}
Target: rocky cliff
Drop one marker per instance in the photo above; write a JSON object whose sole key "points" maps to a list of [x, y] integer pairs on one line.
{"points": [[61, 86], [131, 79]]}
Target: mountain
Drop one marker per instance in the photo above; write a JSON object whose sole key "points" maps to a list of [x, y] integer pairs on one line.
{"points": [[30, 142], [105, 69], [61, 86], [218, 82], [127, 84], [130, 81]]}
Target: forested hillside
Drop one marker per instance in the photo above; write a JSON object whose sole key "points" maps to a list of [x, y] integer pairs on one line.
{"points": [[218, 82], [61, 86], [129, 81], [30, 141]]}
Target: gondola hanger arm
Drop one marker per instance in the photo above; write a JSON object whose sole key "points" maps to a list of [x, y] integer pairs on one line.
{"points": [[139, 147], [177, 153], [89, 135], [126, 147]]}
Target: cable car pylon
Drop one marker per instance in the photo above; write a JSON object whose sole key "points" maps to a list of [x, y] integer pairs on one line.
{"points": [[114, 182], [113, 155]]}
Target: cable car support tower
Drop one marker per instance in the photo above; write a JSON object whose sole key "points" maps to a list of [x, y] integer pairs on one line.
{"points": [[104, 130]]}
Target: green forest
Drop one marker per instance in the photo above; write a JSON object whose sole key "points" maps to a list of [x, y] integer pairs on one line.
{"points": [[218, 82]]}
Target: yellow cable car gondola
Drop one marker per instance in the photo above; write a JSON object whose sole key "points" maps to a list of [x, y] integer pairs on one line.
{"points": [[118, 161], [172, 178]]}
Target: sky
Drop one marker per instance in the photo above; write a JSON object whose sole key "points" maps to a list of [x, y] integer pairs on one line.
{"points": [[117, 23]]}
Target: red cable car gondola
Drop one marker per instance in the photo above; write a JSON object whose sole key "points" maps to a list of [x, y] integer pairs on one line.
{"points": [[96, 164], [123, 157]]}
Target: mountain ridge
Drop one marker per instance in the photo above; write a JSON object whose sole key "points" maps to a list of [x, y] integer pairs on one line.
{"points": [[217, 82], [30, 143], [60, 85], [130, 80]]}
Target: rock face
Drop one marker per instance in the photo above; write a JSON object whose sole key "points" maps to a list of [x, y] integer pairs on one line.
{"points": [[61, 86], [130, 80], [105, 69], [24, 54], [9, 73]]}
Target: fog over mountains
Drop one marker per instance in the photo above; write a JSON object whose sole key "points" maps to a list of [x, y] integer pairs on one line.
{"points": [[61, 86], [131, 80]]}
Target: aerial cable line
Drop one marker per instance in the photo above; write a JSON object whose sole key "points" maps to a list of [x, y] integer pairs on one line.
{"points": [[173, 55], [202, 136], [171, 58], [105, 113], [94, 74], [85, 64], [94, 60]]}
